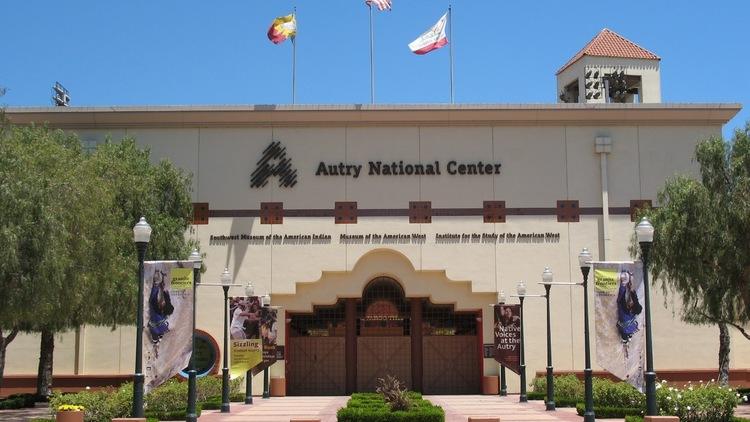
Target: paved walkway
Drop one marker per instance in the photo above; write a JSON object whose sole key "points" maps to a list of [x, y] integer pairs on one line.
{"points": [[459, 408], [279, 409], [41, 410]]}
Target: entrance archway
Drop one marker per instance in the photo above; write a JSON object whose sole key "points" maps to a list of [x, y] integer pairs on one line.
{"points": [[384, 336], [348, 346]]}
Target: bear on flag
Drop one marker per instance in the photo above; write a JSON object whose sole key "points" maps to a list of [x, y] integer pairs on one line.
{"points": [[432, 39]]}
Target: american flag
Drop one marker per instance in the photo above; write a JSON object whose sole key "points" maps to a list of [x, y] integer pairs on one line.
{"points": [[380, 4]]}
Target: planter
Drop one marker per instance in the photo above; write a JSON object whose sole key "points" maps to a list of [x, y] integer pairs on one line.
{"points": [[69, 416], [489, 384], [278, 387]]}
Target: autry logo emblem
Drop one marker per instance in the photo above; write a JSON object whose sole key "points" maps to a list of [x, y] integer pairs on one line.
{"points": [[274, 162]]}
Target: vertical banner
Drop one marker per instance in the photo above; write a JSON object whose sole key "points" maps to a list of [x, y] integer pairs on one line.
{"points": [[268, 333], [168, 316], [620, 335], [246, 347], [508, 336]]}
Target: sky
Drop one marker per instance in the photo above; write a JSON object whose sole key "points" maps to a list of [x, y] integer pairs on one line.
{"points": [[169, 52]]}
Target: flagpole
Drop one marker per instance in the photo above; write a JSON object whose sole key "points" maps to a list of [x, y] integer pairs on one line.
{"points": [[372, 62], [450, 45], [294, 60]]}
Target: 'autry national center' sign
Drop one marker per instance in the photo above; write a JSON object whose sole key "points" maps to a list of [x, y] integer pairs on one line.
{"points": [[275, 162], [399, 168]]}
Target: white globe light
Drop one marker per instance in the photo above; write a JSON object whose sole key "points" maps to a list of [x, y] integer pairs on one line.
{"points": [[521, 288], [645, 231], [142, 231], [195, 256], [547, 276], [584, 258], [226, 278]]}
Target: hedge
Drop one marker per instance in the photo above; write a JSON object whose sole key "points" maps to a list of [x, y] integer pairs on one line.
{"points": [[610, 412], [172, 415], [640, 419], [18, 401], [370, 407]]}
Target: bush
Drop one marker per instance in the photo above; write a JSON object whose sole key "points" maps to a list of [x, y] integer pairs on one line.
{"points": [[371, 407], [172, 415], [166, 398], [568, 388], [12, 403], [617, 395], [394, 394], [610, 412], [29, 399], [211, 403], [640, 419], [704, 402], [100, 406], [18, 401], [534, 395]]}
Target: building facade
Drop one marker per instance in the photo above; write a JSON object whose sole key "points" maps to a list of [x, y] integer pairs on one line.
{"points": [[384, 233]]}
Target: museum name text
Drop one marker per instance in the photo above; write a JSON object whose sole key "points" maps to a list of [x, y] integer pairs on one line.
{"points": [[399, 168]]}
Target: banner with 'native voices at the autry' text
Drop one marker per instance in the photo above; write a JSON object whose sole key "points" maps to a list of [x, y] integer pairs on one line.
{"points": [[168, 319], [618, 306], [508, 336]]}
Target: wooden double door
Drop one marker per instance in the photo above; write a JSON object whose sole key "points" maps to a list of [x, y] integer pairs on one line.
{"points": [[347, 347], [378, 357]]}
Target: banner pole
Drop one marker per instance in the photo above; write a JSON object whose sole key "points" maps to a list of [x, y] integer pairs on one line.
{"points": [[450, 46], [294, 61], [372, 61]]}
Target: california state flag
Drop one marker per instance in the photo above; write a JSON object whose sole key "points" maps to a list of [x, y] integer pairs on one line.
{"points": [[432, 39]]}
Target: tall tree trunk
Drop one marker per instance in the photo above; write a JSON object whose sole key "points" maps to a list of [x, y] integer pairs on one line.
{"points": [[723, 354], [4, 342], [44, 373]]}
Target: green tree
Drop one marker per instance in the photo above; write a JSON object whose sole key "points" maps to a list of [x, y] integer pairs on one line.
{"points": [[66, 217], [701, 250]]}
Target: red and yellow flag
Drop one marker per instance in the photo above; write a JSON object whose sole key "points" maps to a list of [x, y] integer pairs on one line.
{"points": [[282, 28]]}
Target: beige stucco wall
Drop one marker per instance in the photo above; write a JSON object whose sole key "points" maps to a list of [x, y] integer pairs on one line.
{"points": [[540, 165]]}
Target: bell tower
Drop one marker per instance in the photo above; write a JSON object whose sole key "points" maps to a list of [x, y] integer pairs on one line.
{"points": [[610, 69]]}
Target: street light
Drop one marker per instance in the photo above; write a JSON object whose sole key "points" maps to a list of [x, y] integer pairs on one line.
{"points": [[249, 291], [645, 233], [226, 281], [266, 371], [521, 290], [547, 282], [141, 237], [584, 260], [503, 385], [191, 415]]}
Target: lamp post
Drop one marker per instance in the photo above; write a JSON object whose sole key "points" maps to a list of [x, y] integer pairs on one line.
{"points": [[547, 282], [584, 260], [191, 414], [503, 385], [645, 233], [226, 281], [521, 295], [249, 291], [266, 371], [141, 237], [521, 290]]}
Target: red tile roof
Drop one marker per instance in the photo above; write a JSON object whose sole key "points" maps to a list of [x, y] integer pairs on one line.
{"points": [[611, 44]]}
